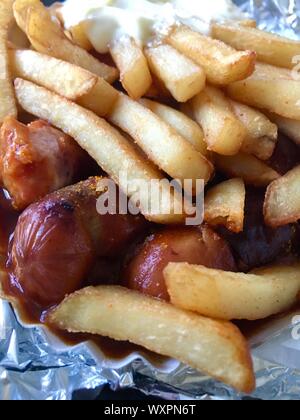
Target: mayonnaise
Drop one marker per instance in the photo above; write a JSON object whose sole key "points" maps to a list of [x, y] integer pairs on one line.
{"points": [[105, 21]]}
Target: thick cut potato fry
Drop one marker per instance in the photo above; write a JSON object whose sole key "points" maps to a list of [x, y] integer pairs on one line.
{"points": [[270, 48], [247, 23], [184, 125], [79, 37], [214, 347], [181, 76], [64, 78], [60, 76], [100, 99], [106, 145], [282, 202], [7, 99], [269, 88], [222, 63], [163, 145], [223, 132], [252, 170], [225, 205], [48, 37], [262, 134], [230, 296], [129, 58], [289, 127]]}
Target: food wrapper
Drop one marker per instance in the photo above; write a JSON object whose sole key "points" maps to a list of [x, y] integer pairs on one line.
{"points": [[35, 365]]}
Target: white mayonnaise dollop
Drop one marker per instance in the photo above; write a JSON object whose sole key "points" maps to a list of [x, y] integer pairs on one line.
{"points": [[105, 21]]}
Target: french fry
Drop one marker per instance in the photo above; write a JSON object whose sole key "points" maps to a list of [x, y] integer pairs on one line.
{"points": [[106, 145], [247, 23], [181, 76], [270, 48], [252, 170], [231, 296], [282, 202], [262, 134], [184, 125], [135, 75], [163, 145], [214, 347], [79, 37], [65, 79], [269, 88], [223, 132], [225, 205], [48, 37], [289, 127], [7, 99], [60, 76], [221, 63]]}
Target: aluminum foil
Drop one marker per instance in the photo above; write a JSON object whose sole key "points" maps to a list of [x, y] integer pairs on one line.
{"points": [[35, 366]]}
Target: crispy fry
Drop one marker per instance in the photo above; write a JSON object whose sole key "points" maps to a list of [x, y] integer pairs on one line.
{"points": [[282, 202], [79, 37], [184, 125], [48, 37], [163, 145], [105, 144], [223, 132], [221, 63], [182, 77], [135, 75], [51, 73], [269, 88], [247, 23], [214, 347], [225, 205], [7, 99], [229, 296], [80, 85], [262, 133], [270, 48], [289, 127], [252, 170]]}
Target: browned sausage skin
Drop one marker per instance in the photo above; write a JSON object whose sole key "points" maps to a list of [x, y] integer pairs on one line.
{"points": [[195, 245], [58, 239], [36, 159]]}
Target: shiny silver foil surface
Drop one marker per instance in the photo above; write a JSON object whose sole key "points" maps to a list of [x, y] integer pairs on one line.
{"points": [[35, 366]]}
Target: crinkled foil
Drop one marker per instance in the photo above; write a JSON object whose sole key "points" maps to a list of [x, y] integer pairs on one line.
{"points": [[34, 365]]}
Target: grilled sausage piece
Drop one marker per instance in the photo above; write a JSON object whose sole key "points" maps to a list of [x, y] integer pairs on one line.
{"points": [[58, 240], [194, 245]]}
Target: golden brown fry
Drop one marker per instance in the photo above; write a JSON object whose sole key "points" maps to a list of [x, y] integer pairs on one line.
{"points": [[225, 205], [51, 73], [79, 37], [223, 132], [270, 88], [107, 146], [135, 75], [215, 347], [80, 85], [252, 170], [282, 202], [7, 99], [270, 48], [181, 76], [184, 125], [262, 133], [230, 296], [171, 152], [248, 23], [289, 127], [48, 37], [221, 63]]}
